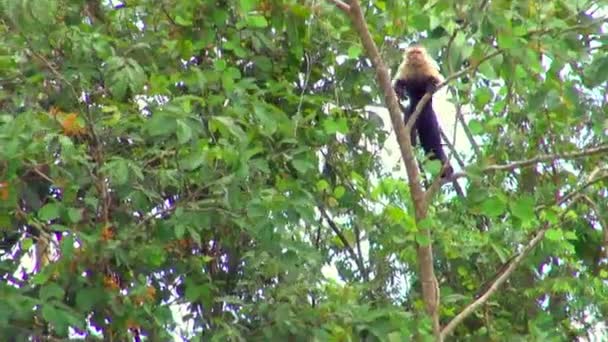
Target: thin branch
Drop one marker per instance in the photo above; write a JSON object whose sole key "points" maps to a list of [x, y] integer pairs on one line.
{"points": [[603, 224], [538, 159], [158, 214], [592, 179], [359, 251], [162, 7], [36, 170], [448, 49], [344, 241], [305, 85], [96, 151], [504, 273], [341, 5], [547, 157], [452, 148], [467, 131], [50, 66], [439, 181]]}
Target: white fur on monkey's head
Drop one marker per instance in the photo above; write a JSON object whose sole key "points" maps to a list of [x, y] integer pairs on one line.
{"points": [[417, 62]]}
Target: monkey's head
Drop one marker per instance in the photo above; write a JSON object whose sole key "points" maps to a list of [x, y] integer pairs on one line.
{"points": [[419, 66], [416, 55]]}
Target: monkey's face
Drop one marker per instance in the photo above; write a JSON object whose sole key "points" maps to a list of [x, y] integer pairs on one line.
{"points": [[416, 55]]}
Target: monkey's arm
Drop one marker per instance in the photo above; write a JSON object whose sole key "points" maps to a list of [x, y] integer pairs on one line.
{"points": [[400, 90]]}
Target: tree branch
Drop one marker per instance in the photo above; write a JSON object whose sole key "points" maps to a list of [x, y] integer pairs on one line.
{"points": [[341, 5], [505, 272], [344, 241], [538, 159], [546, 158], [430, 288]]}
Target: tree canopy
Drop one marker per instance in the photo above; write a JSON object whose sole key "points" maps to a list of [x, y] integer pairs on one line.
{"points": [[213, 170]]}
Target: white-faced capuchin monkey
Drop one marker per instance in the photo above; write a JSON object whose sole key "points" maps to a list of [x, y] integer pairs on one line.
{"points": [[416, 76]]}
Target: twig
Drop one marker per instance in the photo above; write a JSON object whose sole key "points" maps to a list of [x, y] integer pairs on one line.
{"points": [[162, 7], [50, 66], [467, 131], [545, 158], [452, 148], [341, 5], [469, 309], [592, 179], [305, 85], [503, 275], [158, 214], [538, 159], [603, 224], [96, 151], [43, 175], [344, 241], [359, 251], [439, 181]]}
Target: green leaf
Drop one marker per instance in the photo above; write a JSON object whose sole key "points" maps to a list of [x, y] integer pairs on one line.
{"points": [[180, 230], [482, 97], [335, 125], [67, 247], [153, 256], [266, 118], [161, 124], [86, 298], [422, 239], [5, 220], [302, 164], [49, 211], [493, 206], [247, 5], [74, 215], [476, 127], [193, 160], [51, 290], [184, 132], [26, 244], [226, 125], [523, 208], [183, 20], [60, 227], [354, 51], [505, 40], [322, 185], [119, 171], [554, 234], [256, 21], [49, 313], [339, 191]]}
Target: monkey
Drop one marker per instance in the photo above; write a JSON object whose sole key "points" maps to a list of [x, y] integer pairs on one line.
{"points": [[416, 76]]}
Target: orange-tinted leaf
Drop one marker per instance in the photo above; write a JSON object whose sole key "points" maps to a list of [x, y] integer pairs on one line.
{"points": [[3, 191]]}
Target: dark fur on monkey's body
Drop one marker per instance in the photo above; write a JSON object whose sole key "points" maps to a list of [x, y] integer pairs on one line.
{"points": [[415, 77]]}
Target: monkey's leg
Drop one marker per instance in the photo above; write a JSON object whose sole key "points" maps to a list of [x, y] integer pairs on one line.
{"points": [[430, 138]]}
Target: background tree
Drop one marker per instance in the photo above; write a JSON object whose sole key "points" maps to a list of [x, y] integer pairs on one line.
{"points": [[189, 168]]}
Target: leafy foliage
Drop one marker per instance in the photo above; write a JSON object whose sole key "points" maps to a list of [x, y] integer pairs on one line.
{"points": [[193, 168]]}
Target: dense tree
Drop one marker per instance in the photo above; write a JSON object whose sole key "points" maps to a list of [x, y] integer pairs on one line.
{"points": [[193, 168]]}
